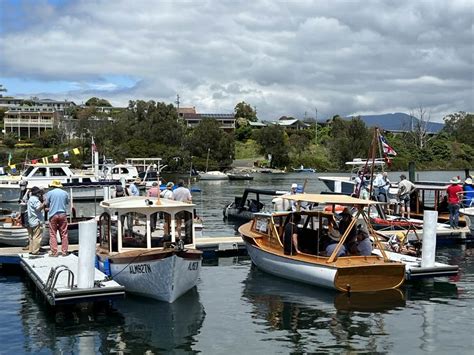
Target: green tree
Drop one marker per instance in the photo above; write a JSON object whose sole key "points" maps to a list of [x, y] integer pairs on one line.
{"points": [[460, 126], [208, 136], [273, 140], [50, 138], [10, 139], [349, 140], [95, 101], [245, 111]]}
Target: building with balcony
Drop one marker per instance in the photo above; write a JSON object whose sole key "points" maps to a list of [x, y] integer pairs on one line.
{"points": [[29, 121]]}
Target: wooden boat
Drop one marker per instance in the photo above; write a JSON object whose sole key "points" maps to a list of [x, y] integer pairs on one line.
{"points": [[244, 208], [147, 260], [263, 239]]}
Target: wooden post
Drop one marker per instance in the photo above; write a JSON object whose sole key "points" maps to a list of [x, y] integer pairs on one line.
{"points": [[411, 171]]}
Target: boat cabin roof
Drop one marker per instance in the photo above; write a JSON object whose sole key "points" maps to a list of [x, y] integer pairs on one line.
{"points": [[145, 204], [329, 199]]}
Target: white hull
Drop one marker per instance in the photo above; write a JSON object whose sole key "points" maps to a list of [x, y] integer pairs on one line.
{"points": [[11, 193], [213, 175], [469, 214], [18, 236], [288, 268], [162, 279]]}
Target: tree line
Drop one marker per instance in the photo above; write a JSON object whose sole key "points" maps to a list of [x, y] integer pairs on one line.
{"points": [[154, 129]]}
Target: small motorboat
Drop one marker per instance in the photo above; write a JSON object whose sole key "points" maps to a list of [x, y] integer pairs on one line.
{"points": [[239, 176], [244, 208], [160, 263], [302, 169], [213, 175]]}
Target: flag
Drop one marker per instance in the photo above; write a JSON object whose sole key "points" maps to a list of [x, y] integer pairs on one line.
{"points": [[34, 161], [66, 154], [76, 151], [9, 158], [386, 148], [13, 168], [55, 158], [45, 160]]}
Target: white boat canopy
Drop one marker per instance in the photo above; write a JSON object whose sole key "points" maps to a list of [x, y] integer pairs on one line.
{"points": [[145, 204]]}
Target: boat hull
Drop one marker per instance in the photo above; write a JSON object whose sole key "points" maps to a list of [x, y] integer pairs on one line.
{"points": [[356, 279], [165, 278], [11, 193]]}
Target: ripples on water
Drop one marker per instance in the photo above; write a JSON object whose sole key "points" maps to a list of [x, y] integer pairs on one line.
{"points": [[238, 309]]}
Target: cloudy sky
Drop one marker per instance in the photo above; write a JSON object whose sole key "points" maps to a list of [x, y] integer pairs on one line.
{"points": [[283, 57]]}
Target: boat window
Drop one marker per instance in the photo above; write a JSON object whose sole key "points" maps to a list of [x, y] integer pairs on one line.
{"points": [[28, 171], [134, 230], [104, 231], [57, 172], [261, 224], [86, 179], [40, 172], [184, 226]]}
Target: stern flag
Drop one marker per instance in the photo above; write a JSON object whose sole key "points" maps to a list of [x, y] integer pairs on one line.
{"points": [[386, 148], [76, 151], [93, 147]]}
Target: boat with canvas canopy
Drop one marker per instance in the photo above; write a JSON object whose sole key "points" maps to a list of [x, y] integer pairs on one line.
{"points": [[264, 238], [161, 263]]}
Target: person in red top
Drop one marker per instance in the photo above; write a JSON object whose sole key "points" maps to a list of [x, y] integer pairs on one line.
{"points": [[454, 201]]}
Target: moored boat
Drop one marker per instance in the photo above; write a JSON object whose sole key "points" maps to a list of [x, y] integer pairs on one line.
{"points": [[159, 263], [264, 239], [213, 175], [239, 176]]}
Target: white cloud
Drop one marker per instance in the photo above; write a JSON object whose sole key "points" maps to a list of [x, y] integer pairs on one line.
{"points": [[285, 58]]}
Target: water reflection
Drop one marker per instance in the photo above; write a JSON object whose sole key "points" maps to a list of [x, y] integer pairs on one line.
{"points": [[316, 319], [152, 326], [134, 324], [66, 329]]}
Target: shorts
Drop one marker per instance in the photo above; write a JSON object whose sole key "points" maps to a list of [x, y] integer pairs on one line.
{"points": [[405, 200]]}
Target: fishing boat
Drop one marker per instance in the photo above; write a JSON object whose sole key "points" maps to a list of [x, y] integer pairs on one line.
{"points": [[245, 207], [158, 263], [263, 237]]}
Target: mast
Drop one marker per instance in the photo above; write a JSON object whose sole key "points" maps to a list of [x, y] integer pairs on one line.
{"points": [[207, 160]]}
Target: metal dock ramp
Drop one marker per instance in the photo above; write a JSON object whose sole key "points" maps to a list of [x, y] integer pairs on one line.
{"points": [[56, 278]]}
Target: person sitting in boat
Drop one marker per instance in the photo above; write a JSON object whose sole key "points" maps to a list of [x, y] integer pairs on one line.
{"points": [[290, 236], [343, 225], [363, 243], [405, 189], [443, 205], [293, 191], [334, 236], [119, 192], [133, 187]]}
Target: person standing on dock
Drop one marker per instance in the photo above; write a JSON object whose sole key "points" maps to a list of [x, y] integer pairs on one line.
{"points": [[405, 189], [182, 194], [468, 199], [57, 201], [454, 201], [35, 208]]}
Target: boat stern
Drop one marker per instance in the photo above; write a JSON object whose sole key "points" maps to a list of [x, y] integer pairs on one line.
{"points": [[370, 278]]}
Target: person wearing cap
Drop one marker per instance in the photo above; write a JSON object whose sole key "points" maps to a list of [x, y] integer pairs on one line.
{"points": [[334, 236], [57, 201], [454, 191], [468, 188], [405, 189], [35, 220], [168, 192], [133, 187]]}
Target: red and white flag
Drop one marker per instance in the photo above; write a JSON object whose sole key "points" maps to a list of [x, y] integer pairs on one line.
{"points": [[386, 148]]}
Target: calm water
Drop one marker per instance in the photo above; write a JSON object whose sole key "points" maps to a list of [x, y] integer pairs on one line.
{"points": [[238, 309]]}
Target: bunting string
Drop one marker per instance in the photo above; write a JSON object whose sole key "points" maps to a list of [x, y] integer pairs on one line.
{"points": [[56, 158]]}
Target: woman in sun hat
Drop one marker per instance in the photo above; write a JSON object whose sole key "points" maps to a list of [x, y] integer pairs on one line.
{"points": [[468, 199], [454, 191]]}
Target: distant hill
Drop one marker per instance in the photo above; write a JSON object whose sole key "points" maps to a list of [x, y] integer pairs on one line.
{"points": [[396, 122]]}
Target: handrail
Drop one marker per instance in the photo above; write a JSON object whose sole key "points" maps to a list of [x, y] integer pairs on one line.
{"points": [[54, 274]]}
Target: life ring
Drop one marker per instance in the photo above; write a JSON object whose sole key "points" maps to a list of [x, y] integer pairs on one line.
{"points": [[338, 208]]}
